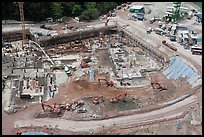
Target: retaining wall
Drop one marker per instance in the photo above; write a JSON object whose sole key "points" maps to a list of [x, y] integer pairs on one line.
{"points": [[77, 35]]}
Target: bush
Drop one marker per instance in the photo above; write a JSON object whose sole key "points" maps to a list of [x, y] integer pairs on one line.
{"points": [[89, 14]]}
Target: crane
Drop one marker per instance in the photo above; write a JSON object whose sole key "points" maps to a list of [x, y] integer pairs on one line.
{"points": [[20, 4]]}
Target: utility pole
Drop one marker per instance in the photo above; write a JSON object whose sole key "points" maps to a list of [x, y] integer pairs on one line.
{"points": [[20, 4]]}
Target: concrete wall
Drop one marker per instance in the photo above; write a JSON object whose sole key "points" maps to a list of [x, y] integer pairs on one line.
{"points": [[76, 35], [14, 35], [158, 55]]}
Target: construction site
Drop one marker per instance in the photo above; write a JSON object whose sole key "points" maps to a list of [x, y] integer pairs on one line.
{"points": [[116, 75]]}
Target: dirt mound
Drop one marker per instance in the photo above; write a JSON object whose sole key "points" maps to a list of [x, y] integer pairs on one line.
{"points": [[81, 84]]}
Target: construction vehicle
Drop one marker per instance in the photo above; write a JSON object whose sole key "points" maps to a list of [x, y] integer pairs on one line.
{"points": [[108, 83], [118, 98], [76, 104], [58, 107], [152, 20], [157, 85], [149, 30], [97, 100], [65, 106], [51, 109], [67, 70], [82, 110], [84, 64]]}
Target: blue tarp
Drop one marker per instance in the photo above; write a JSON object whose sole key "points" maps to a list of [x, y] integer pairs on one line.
{"points": [[180, 72], [178, 68], [173, 101], [92, 75], [199, 15], [199, 40], [34, 133]]}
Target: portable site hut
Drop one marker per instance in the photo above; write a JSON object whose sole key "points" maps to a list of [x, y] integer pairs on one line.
{"points": [[137, 9]]}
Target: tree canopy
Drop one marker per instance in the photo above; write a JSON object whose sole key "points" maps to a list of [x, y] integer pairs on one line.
{"points": [[38, 11]]}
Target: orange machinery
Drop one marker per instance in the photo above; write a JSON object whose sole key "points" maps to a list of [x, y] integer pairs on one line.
{"points": [[118, 98], [51, 109], [84, 64]]}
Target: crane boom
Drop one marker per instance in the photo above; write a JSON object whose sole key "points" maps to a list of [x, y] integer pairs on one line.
{"points": [[22, 21]]}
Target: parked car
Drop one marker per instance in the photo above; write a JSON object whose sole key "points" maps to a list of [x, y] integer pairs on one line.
{"points": [[149, 30], [123, 5], [7, 45], [82, 110], [118, 7], [173, 38], [61, 20], [42, 26], [113, 14], [49, 20]]}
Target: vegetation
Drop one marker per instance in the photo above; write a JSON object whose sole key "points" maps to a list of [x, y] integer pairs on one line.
{"points": [[38, 11], [57, 68]]}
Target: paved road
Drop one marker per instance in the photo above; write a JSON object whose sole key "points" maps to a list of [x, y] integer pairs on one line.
{"points": [[124, 121]]}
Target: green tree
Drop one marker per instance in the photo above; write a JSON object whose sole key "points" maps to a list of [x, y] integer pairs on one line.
{"points": [[57, 10], [104, 7], [76, 10], [41, 10], [38, 11], [67, 8], [89, 14], [90, 5]]}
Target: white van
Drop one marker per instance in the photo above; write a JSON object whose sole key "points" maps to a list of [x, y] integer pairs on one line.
{"points": [[49, 20]]}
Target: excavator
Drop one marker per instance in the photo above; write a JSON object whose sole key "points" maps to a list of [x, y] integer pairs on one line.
{"points": [[118, 98], [51, 109], [108, 83], [63, 106], [97, 100], [84, 64], [58, 107], [156, 85]]}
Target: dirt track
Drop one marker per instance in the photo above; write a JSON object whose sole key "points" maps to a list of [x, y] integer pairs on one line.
{"points": [[168, 112]]}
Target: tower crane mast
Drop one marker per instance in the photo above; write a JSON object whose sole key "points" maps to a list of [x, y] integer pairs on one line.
{"points": [[20, 4]]}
